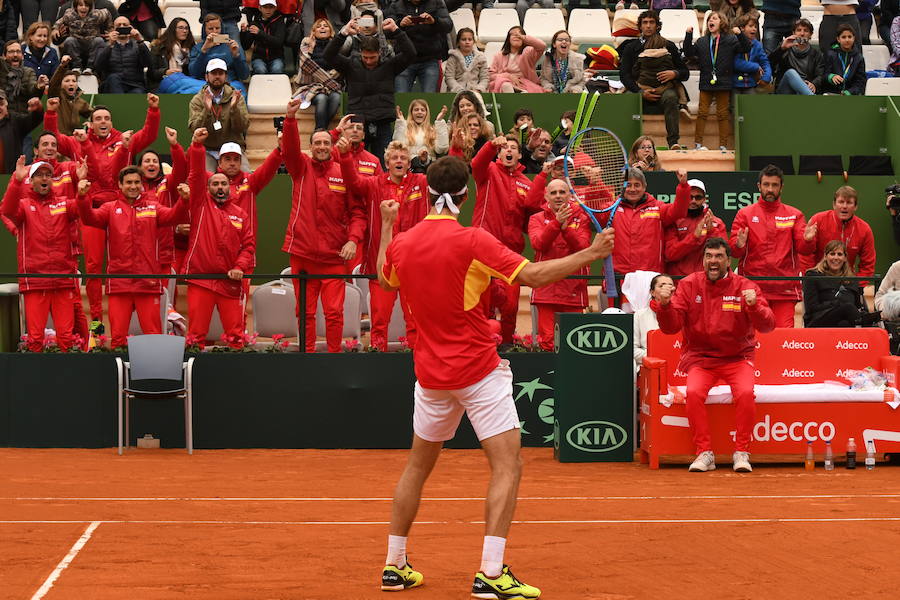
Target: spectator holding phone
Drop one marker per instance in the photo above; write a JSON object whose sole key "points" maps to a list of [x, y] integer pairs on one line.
{"points": [[799, 68], [643, 155], [466, 66], [265, 35], [368, 25], [218, 45], [83, 29], [121, 63], [427, 24]]}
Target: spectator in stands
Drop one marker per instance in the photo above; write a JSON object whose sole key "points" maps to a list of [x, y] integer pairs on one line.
{"points": [[564, 131], [265, 35], [73, 108], [466, 102], [503, 206], [560, 229], [845, 67], [732, 9], [368, 26], [370, 80], [427, 24], [469, 136], [832, 302], [121, 63], [537, 151], [645, 318], [841, 223], [685, 238], [523, 124], [170, 53], [716, 52], [145, 16], [229, 13], [353, 128], [324, 229], [719, 333], [14, 128], [214, 47], [221, 241], [768, 238], [107, 5], [19, 82], [779, 23], [890, 10], [752, 70], [42, 219], [359, 8], [9, 20], [894, 64], [643, 155], [864, 15], [666, 102], [38, 55], [513, 68], [334, 10], [424, 141], [837, 12], [221, 109], [466, 66], [799, 68], [316, 82], [562, 71], [522, 7], [83, 29], [890, 283]]}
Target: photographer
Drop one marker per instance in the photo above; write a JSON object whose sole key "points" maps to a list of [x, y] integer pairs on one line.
{"points": [[219, 45], [427, 24], [799, 68], [892, 203], [121, 63], [832, 302]]}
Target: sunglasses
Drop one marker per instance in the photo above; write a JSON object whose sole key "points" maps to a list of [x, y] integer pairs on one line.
{"points": [[697, 197]]}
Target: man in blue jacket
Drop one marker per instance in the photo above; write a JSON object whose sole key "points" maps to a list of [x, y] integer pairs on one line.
{"points": [[230, 52]]}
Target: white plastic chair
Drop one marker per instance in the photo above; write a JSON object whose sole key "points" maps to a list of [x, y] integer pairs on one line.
{"points": [[189, 12], [494, 24], [814, 17], [876, 57], [692, 85], [268, 93], [675, 21], [89, 84], [463, 17], [491, 49], [275, 309], [883, 86], [589, 26], [542, 23]]}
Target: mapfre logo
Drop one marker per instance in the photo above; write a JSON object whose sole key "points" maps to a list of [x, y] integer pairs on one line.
{"points": [[596, 436], [797, 373], [780, 431], [848, 345], [597, 339], [795, 345]]}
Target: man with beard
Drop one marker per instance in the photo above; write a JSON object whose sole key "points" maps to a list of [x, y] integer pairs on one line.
{"points": [[768, 238], [326, 225], [684, 240], [14, 129], [410, 190], [220, 109], [841, 223], [19, 82], [718, 313], [221, 241], [44, 242], [353, 128]]}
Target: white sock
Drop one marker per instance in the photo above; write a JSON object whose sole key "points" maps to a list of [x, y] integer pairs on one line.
{"points": [[396, 554], [492, 555]]}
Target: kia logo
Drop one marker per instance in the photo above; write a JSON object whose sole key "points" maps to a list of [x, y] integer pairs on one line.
{"points": [[597, 339], [596, 436]]}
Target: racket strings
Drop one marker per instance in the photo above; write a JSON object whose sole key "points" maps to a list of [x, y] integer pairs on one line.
{"points": [[599, 172]]}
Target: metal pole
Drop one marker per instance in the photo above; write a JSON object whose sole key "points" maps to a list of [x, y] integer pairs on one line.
{"points": [[301, 311]]}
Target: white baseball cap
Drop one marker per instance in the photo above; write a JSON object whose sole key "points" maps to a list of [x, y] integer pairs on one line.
{"points": [[269, 2], [697, 184], [34, 168], [563, 157], [216, 63], [230, 148]]}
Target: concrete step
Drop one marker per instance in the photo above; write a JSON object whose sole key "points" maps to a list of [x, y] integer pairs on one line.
{"points": [[697, 160], [262, 137], [655, 127]]}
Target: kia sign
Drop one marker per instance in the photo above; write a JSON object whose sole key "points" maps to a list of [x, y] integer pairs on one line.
{"points": [[596, 436], [597, 339]]}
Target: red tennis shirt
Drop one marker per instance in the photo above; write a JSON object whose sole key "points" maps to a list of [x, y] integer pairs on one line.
{"points": [[443, 269]]}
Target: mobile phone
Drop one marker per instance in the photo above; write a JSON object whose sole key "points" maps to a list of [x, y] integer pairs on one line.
{"points": [[123, 30], [416, 20], [221, 38], [366, 22]]}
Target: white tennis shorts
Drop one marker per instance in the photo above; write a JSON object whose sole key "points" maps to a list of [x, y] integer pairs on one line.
{"points": [[488, 403]]}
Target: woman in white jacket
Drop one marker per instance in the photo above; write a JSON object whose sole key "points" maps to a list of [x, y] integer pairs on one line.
{"points": [[425, 141], [466, 67], [645, 319]]}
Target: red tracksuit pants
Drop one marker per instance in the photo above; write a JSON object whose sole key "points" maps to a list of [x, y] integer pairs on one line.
{"points": [[202, 301], [547, 321], [332, 293], [39, 304], [784, 312], [121, 306], [739, 375], [381, 303], [505, 299], [93, 241]]}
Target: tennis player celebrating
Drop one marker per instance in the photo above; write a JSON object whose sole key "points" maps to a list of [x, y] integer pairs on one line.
{"points": [[443, 269]]}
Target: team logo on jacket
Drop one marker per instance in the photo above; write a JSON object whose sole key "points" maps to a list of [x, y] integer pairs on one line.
{"points": [[651, 212], [336, 184], [698, 299], [414, 194], [785, 222], [58, 208], [755, 219], [731, 303], [366, 167], [236, 221], [118, 211], [145, 211], [522, 188]]}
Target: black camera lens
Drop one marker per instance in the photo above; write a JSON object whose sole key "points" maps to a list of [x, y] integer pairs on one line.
{"points": [[123, 30]]}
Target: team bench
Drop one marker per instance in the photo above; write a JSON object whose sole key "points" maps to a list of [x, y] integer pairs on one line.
{"points": [[802, 392]]}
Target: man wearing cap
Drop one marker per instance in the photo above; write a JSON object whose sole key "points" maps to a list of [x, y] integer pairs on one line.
{"points": [[220, 109], [684, 240], [43, 246], [14, 127], [326, 225]]}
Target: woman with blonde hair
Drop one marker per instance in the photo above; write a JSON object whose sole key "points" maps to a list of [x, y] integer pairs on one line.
{"points": [[643, 155], [470, 134], [425, 141], [832, 302]]}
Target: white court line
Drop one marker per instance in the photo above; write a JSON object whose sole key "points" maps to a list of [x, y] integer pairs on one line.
{"points": [[73, 552], [435, 499]]}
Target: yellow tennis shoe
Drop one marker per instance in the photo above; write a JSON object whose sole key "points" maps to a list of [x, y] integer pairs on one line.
{"points": [[504, 587], [397, 579]]}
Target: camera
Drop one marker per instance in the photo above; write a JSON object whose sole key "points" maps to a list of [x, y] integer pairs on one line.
{"points": [[800, 40], [893, 199], [278, 122], [123, 30]]}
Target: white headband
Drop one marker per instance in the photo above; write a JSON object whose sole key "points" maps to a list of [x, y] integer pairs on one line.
{"points": [[447, 199]]}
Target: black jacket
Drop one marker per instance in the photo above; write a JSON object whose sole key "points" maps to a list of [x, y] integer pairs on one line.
{"points": [[370, 92], [821, 295], [113, 11], [628, 53], [9, 21], [128, 60], [229, 10], [159, 64], [810, 66], [268, 44], [730, 46], [129, 8], [13, 130], [430, 40], [855, 77]]}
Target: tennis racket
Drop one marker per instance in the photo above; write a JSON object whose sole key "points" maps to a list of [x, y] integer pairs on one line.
{"points": [[595, 168]]}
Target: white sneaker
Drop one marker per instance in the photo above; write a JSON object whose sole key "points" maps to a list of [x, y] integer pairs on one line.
{"points": [[741, 462], [700, 146], [705, 461], [723, 149], [305, 103]]}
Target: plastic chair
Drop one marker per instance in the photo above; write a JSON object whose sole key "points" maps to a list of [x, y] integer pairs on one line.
{"points": [[675, 21], [363, 285], [155, 370], [542, 23], [275, 309], [89, 84], [495, 23], [876, 57], [491, 49], [883, 86], [589, 26], [268, 93], [463, 17]]}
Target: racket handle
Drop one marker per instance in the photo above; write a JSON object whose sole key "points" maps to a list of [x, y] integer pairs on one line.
{"points": [[610, 275]]}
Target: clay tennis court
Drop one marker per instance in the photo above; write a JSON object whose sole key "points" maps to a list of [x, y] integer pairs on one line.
{"points": [[311, 524]]}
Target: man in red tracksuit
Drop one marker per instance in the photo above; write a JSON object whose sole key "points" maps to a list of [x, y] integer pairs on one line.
{"points": [[559, 230], [503, 205], [841, 223], [44, 245], [221, 241], [718, 313], [684, 240], [410, 190], [105, 139], [353, 128], [326, 225], [131, 223], [768, 238]]}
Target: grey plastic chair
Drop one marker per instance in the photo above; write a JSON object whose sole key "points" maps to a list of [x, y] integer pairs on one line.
{"points": [[155, 370]]}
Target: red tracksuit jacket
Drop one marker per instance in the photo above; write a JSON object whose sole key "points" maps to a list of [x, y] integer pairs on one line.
{"points": [[550, 240], [856, 235], [65, 185], [366, 162], [717, 324], [683, 249], [324, 216], [43, 243], [132, 238], [106, 187], [639, 231], [412, 194], [774, 246], [221, 238], [502, 200]]}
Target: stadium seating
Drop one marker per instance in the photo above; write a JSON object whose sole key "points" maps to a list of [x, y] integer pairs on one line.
{"points": [[675, 22], [883, 86], [463, 17], [588, 26], [874, 38], [190, 13], [692, 85], [876, 57], [542, 23], [493, 24], [268, 93]]}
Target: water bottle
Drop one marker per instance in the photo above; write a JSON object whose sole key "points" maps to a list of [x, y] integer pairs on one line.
{"points": [[870, 455], [829, 457], [851, 453], [810, 457]]}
